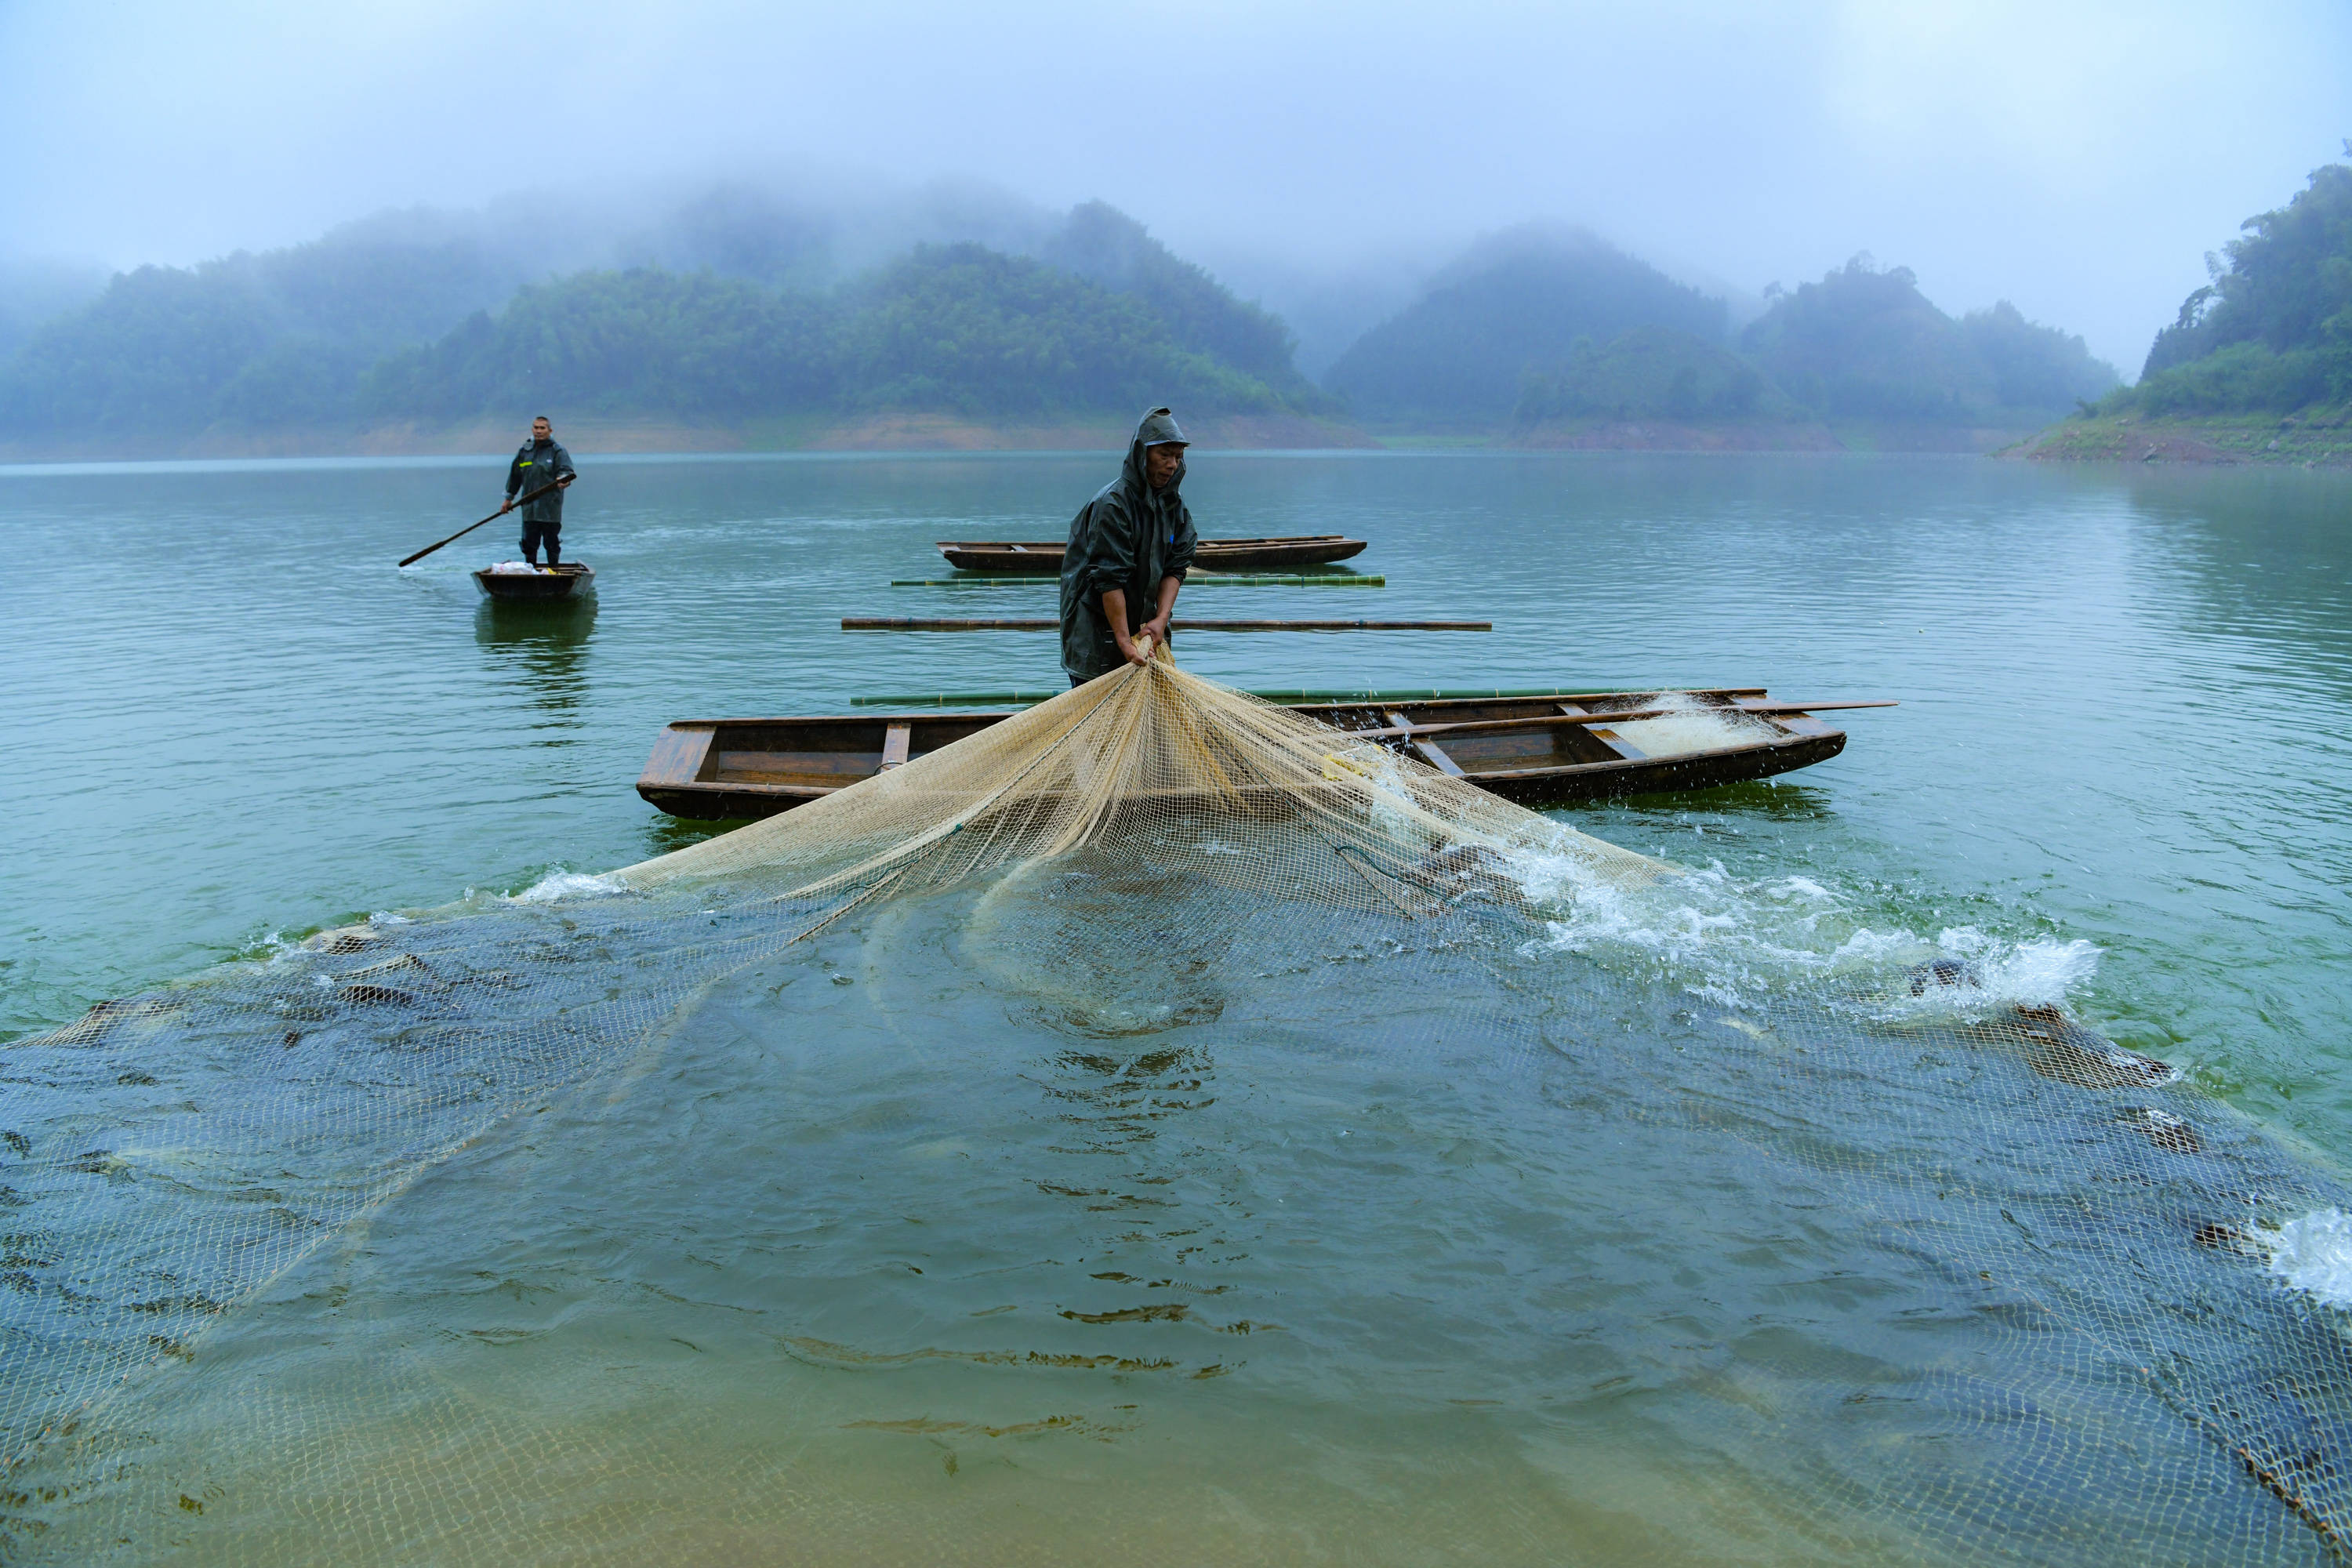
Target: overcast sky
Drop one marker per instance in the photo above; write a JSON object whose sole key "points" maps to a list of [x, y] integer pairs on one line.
{"points": [[2076, 159]]}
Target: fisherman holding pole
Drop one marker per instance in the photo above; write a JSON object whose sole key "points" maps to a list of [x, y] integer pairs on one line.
{"points": [[1128, 553], [537, 465]]}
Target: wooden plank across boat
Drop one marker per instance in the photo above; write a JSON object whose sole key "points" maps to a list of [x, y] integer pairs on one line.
{"points": [[545, 585], [1558, 748], [1043, 558]]}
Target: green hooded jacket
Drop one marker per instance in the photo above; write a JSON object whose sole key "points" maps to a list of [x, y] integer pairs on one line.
{"points": [[533, 466], [1130, 536]]}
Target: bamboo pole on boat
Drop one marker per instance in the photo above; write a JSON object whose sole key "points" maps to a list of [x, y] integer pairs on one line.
{"points": [[1550, 720], [552, 484], [916, 624]]}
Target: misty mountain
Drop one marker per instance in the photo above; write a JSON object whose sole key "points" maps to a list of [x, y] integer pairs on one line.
{"points": [[32, 293], [2034, 368], [2274, 329], [955, 329], [1650, 373], [1512, 306], [1537, 326], [969, 329], [807, 235], [278, 337], [1866, 345], [743, 301], [425, 317], [741, 231], [1104, 244], [640, 341]]}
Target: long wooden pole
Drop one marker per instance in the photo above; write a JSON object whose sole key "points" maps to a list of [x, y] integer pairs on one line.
{"points": [[911, 623], [1550, 720], [492, 518]]}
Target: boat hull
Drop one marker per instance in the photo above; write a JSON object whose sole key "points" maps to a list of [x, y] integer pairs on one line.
{"points": [[1043, 558], [732, 769], [568, 581]]}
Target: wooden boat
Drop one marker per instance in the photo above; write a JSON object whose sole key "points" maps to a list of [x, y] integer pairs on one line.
{"points": [[549, 583], [1044, 559], [1532, 749]]}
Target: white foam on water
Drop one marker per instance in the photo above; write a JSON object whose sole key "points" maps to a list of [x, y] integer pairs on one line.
{"points": [[557, 886], [1690, 725], [1726, 938], [2313, 1255], [2036, 973]]}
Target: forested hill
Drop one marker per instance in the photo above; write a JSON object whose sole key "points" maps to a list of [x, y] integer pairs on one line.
{"points": [[1541, 330], [1510, 307], [957, 329], [736, 307], [2273, 330], [1865, 343], [251, 341], [380, 324]]}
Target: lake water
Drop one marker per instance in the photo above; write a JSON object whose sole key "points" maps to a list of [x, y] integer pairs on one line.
{"points": [[2117, 777]]}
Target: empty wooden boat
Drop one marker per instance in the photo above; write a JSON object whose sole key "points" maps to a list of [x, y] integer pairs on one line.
{"points": [[1552, 749], [538, 586], [1043, 558]]}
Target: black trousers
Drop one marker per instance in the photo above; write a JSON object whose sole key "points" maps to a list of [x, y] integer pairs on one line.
{"points": [[532, 533]]}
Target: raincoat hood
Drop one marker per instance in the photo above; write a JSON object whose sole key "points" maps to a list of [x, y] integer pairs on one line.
{"points": [[1153, 429]]}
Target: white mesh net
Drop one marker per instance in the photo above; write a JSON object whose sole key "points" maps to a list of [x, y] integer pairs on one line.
{"points": [[1156, 1126]]}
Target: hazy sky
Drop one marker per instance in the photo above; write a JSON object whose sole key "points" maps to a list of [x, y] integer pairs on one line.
{"points": [[2077, 159]]}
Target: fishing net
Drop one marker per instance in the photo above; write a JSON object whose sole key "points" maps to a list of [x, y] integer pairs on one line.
{"points": [[1155, 1125]]}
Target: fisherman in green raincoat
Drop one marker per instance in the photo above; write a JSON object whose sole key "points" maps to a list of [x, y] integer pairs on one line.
{"points": [[1128, 550], [539, 460]]}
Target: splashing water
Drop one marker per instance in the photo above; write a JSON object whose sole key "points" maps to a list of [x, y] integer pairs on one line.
{"points": [[1724, 939], [2313, 1254]]}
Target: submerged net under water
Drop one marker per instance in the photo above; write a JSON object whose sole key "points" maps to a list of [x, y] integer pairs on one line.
{"points": [[1155, 1127]]}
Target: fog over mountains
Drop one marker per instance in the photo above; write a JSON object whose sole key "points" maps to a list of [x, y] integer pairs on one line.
{"points": [[2076, 159], [738, 301]]}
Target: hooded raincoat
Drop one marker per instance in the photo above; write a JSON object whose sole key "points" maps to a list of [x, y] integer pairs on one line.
{"points": [[1128, 537]]}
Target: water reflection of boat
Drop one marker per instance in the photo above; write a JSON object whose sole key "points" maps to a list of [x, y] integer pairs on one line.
{"points": [[1558, 748], [540, 585], [542, 643], [1043, 558]]}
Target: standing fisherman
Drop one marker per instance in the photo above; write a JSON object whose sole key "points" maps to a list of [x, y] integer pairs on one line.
{"points": [[1128, 550], [539, 460]]}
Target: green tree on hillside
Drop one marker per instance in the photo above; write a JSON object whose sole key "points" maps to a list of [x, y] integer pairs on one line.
{"points": [[247, 340], [1105, 245], [35, 292], [1863, 343], [620, 343], [158, 343], [2273, 328], [956, 328], [974, 331], [2034, 368]]}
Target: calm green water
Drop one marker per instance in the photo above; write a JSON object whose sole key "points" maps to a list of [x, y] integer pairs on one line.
{"points": [[2125, 692], [2118, 775]]}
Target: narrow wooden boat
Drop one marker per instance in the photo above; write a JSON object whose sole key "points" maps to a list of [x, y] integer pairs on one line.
{"points": [[569, 581], [1045, 558], [1539, 750]]}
